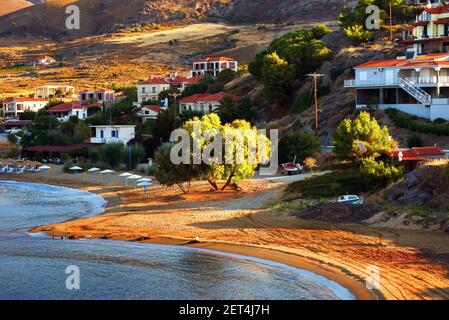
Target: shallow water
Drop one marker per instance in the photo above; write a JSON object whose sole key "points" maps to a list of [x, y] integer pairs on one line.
{"points": [[34, 266]]}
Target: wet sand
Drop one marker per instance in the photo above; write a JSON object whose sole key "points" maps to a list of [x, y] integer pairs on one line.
{"points": [[412, 263]]}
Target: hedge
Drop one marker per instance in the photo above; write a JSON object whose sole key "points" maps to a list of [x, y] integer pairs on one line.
{"points": [[403, 121]]}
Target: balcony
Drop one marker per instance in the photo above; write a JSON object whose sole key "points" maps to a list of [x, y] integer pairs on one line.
{"points": [[353, 83]]}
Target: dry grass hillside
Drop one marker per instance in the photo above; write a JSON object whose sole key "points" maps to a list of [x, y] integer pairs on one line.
{"points": [[8, 6], [100, 16]]}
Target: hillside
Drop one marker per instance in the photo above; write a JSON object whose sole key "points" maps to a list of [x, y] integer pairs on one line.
{"points": [[99, 16], [8, 6]]}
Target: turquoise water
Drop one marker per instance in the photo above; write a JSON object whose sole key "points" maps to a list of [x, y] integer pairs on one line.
{"points": [[34, 266]]}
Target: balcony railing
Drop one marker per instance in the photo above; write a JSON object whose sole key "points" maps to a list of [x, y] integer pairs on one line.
{"points": [[433, 80], [368, 83]]}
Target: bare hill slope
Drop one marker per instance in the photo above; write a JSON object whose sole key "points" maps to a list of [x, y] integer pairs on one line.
{"points": [[8, 6], [100, 16]]}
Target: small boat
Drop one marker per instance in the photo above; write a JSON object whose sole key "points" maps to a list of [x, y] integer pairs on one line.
{"points": [[350, 199], [292, 167]]}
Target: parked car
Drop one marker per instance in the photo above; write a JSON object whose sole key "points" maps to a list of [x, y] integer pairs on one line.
{"points": [[350, 199]]}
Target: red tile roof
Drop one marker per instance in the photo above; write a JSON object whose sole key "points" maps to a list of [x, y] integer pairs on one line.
{"points": [[442, 21], [213, 59], [417, 153], [433, 59], [154, 108], [437, 10], [205, 97], [428, 151], [65, 107], [407, 155]]}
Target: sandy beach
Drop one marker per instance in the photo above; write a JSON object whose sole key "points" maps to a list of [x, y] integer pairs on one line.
{"points": [[413, 264]]}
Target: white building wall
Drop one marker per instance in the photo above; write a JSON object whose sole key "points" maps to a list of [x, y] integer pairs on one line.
{"points": [[418, 110], [439, 111]]}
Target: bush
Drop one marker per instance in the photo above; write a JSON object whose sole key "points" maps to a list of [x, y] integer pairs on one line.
{"points": [[378, 173], [414, 141], [12, 138], [403, 121], [357, 34], [299, 145], [310, 164]]}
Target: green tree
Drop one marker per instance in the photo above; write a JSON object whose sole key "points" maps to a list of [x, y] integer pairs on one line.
{"points": [[237, 163], [363, 130], [278, 78], [299, 145], [358, 34], [378, 173], [169, 174]]}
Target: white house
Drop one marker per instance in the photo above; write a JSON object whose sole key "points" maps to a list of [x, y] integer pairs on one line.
{"points": [[148, 112], [430, 30], [149, 90], [105, 96], [14, 106], [417, 86], [213, 66], [113, 133], [44, 60], [51, 91], [64, 111], [205, 103]]}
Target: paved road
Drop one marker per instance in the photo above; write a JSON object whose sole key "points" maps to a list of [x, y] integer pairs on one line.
{"points": [[293, 178]]}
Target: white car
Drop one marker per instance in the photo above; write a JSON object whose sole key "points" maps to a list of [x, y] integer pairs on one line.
{"points": [[13, 131], [350, 199]]}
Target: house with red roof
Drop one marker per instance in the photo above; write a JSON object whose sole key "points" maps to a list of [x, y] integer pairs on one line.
{"points": [[418, 86], [411, 158], [44, 60], [149, 90], [104, 96], [430, 30], [205, 103], [213, 66], [148, 112], [64, 111], [12, 107]]}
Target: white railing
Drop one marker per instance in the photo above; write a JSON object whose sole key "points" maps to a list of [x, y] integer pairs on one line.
{"points": [[368, 83], [416, 92]]}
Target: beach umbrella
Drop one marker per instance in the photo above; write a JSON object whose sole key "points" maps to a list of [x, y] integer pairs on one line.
{"points": [[134, 177], [126, 175], [107, 175], [94, 171], [145, 185], [44, 169], [75, 169], [144, 180]]}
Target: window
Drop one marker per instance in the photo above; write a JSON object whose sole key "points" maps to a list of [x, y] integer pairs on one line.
{"points": [[153, 90], [113, 133], [143, 90]]}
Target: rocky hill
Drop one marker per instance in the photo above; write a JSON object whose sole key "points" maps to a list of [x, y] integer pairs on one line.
{"points": [[8, 6], [104, 16]]}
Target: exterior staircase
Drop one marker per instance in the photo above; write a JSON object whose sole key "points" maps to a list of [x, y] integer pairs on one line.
{"points": [[416, 92]]}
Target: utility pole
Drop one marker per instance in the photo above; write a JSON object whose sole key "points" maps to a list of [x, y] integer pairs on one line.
{"points": [[391, 21], [175, 95], [315, 77]]}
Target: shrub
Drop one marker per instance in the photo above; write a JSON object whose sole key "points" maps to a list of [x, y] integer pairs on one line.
{"points": [[299, 145], [378, 173], [414, 141], [403, 121], [357, 34], [310, 164]]}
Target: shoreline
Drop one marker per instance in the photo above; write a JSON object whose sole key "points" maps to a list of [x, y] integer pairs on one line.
{"points": [[148, 223], [356, 287]]}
